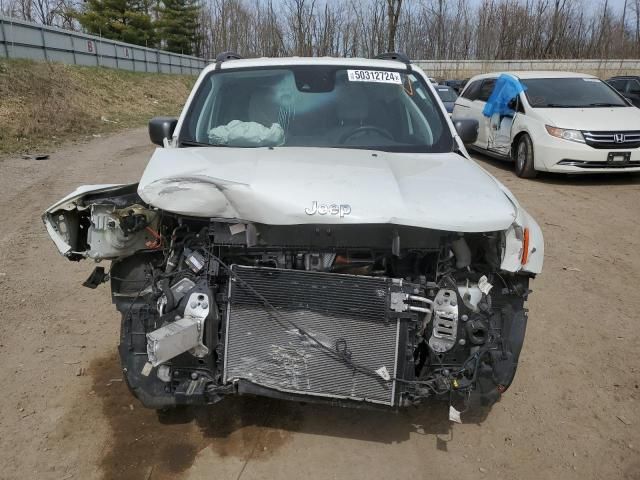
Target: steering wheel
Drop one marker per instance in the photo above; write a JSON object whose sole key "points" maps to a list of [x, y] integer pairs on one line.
{"points": [[365, 128]]}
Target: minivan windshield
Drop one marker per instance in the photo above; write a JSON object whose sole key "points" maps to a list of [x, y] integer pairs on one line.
{"points": [[447, 94], [316, 106], [571, 93]]}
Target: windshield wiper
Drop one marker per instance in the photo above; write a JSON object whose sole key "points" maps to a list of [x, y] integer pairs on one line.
{"points": [[193, 143], [554, 105], [588, 105], [604, 104]]}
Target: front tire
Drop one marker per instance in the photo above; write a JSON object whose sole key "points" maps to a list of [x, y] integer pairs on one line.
{"points": [[524, 164]]}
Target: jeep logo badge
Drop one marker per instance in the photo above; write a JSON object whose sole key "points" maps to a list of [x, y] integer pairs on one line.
{"points": [[326, 209]]}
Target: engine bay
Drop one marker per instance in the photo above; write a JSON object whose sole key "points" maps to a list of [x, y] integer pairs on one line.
{"points": [[353, 315]]}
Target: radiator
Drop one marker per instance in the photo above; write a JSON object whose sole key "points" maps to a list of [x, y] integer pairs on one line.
{"points": [[347, 314]]}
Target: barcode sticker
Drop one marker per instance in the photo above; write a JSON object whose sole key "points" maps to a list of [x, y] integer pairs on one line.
{"points": [[380, 76]]}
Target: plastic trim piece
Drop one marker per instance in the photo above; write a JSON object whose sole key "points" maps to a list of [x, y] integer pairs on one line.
{"points": [[397, 56]]}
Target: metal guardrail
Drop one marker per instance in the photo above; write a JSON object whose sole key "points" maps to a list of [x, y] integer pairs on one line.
{"points": [[20, 39]]}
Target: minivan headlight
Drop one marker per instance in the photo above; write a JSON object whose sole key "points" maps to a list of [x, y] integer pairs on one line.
{"points": [[571, 135]]}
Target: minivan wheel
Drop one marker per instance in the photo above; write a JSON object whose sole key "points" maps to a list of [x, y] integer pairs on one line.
{"points": [[524, 158]]}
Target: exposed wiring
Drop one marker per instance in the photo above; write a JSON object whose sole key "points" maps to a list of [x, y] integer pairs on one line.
{"points": [[439, 381], [126, 316], [153, 245], [275, 314]]}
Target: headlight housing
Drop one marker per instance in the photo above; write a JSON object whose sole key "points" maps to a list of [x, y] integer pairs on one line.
{"points": [[523, 245], [571, 135]]}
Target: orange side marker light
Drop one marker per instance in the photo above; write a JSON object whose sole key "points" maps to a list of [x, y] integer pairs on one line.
{"points": [[525, 247]]}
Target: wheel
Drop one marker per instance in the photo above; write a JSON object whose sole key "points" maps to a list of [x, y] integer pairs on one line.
{"points": [[524, 158]]}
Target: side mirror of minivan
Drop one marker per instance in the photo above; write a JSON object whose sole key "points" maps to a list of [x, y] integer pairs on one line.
{"points": [[161, 128], [467, 129]]}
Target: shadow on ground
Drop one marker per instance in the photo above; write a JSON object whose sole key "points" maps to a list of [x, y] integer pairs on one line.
{"points": [[146, 444]]}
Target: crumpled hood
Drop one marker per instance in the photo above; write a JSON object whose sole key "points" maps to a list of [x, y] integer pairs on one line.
{"points": [[290, 185], [592, 119]]}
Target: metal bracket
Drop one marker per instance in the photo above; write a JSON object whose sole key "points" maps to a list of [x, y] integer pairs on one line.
{"points": [[445, 321], [398, 302], [197, 309], [184, 334]]}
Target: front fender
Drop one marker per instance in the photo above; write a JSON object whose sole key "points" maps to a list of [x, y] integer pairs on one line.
{"points": [[523, 245]]}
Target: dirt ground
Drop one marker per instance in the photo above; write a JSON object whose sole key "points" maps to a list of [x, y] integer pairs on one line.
{"points": [[572, 413]]}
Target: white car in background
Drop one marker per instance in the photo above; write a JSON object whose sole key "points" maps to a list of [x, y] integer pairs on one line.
{"points": [[562, 122]]}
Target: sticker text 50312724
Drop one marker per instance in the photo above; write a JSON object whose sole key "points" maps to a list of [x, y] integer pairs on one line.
{"points": [[381, 76]]}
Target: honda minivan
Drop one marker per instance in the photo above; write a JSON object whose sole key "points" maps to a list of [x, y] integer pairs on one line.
{"points": [[560, 122]]}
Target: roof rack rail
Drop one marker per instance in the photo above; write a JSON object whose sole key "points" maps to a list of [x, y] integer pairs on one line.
{"points": [[224, 56], [400, 57]]}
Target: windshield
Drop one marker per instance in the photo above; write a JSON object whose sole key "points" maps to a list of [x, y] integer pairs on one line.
{"points": [[316, 106], [447, 94], [571, 93]]}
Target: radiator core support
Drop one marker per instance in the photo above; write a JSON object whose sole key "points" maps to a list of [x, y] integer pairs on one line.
{"points": [[302, 332]]}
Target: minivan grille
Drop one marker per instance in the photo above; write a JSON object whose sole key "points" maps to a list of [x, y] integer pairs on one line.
{"points": [[613, 140]]}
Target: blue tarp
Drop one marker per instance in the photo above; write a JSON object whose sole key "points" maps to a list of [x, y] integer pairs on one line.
{"points": [[507, 87]]}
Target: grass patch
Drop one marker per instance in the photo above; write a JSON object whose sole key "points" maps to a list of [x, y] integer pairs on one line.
{"points": [[44, 104]]}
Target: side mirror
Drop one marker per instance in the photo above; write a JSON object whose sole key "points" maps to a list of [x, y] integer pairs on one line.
{"points": [[467, 129], [161, 128], [513, 104]]}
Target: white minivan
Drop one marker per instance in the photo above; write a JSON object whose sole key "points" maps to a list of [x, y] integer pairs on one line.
{"points": [[561, 122]]}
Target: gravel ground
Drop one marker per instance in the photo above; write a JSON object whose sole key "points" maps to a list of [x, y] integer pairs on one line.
{"points": [[572, 413]]}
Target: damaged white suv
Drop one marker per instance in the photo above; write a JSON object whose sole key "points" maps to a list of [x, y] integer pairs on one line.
{"points": [[312, 229]]}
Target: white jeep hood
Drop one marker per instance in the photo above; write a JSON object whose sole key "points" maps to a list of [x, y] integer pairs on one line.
{"points": [[349, 186]]}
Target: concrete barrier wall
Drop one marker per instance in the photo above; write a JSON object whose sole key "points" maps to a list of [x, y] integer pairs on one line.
{"points": [[20, 39], [460, 69]]}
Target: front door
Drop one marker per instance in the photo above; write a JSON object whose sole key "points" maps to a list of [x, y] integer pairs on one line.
{"points": [[484, 132], [633, 92]]}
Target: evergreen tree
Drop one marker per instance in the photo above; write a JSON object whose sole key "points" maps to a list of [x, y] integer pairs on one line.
{"points": [[178, 26], [125, 20]]}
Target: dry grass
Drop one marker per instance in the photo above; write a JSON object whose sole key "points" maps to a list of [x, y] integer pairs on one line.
{"points": [[45, 104]]}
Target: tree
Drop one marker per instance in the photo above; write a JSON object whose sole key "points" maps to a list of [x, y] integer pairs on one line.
{"points": [[427, 29], [178, 26], [300, 16], [393, 12], [125, 20], [636, 9]]}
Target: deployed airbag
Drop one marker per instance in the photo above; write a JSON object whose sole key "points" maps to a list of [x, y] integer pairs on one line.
{"points": [[247, 134]]}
